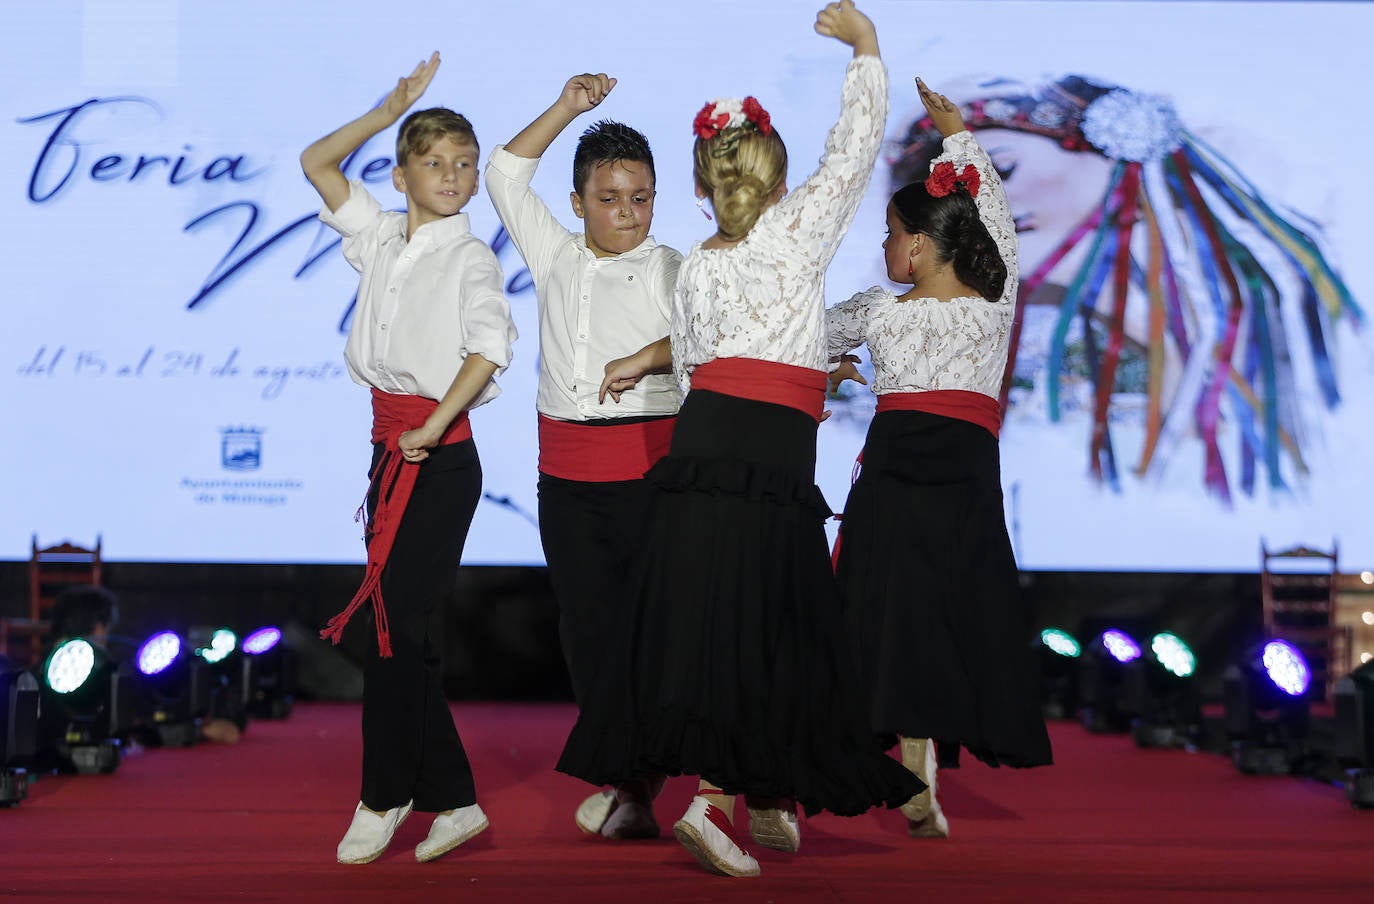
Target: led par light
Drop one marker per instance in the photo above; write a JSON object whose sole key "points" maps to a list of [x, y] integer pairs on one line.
{"points": [[268, 679], [1160, 693], [176, 689], [1058, 653], [85, 708], [1354, 746], [1267, 715], [18, 730], [1102, 674]]}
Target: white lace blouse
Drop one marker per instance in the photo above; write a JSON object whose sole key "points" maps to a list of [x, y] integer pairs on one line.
{"points": [[765, 297], [923, 344]]}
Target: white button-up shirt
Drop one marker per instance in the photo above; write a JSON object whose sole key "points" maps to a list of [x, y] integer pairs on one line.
{"points": [[423, 305], [591, 310]]}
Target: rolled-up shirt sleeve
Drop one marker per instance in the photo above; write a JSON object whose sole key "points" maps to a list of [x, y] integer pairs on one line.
{"points": [[487, 325], [357, 220]]}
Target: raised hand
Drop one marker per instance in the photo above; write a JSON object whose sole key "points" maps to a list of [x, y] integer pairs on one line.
{"points": [[944, 113], [585, 91], [843, 22], [409, 88]]}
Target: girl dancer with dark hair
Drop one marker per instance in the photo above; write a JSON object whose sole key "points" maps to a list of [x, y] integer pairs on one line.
{"points": [[924, 560]]}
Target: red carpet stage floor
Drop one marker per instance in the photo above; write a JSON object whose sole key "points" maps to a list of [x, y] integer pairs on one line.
{"points": [[259, 821]]}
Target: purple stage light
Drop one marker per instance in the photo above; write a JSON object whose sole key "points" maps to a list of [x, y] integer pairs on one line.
{"points": [[261, 640], [158, 652], [1286, 667], [1120, 645]]}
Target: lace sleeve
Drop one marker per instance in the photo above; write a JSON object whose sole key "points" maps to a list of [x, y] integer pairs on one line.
{"points": [[962, 148], [846, 325], [819, 211]]}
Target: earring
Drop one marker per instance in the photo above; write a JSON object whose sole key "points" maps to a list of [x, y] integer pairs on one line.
{"points": [[704, 212], [911, 269]]}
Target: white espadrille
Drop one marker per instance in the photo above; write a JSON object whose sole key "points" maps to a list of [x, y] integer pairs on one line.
{"points": [[775, 828], [592, 813], [369, 834], [450, 830], [708, 836]]}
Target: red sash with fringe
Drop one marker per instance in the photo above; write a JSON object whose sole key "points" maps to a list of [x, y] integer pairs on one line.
{"points": [[765, 381], [602, 454], [394, 478]]}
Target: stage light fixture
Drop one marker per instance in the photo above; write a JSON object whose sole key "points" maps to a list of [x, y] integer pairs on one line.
{"points": [[1267, 713], [1354, 726], [1102, 672], [176, 690], [18, 730], [268, 674], [219, 648], [1058, 653], [1160, 693], [84, 710]]}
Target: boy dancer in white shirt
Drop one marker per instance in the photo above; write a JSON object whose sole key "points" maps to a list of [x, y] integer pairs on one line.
{"points": [[431, 329], [604, 295]]}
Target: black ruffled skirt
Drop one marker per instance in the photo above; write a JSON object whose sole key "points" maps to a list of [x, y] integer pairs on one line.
{"points": [[739, 668], [941, 633]]}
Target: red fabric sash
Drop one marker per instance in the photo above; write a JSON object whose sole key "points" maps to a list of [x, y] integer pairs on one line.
{"points": [[765, 381], [960, 404], [601, 454], [394, 478]]}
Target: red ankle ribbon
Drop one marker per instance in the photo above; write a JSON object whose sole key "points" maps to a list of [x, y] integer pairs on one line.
{"points": [[394, 478], [601, 454], [960, 404], [765, 381], [718, 819]]}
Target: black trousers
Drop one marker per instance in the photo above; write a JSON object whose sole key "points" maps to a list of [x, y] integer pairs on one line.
{"points": [[590, 533], [411, 749]]}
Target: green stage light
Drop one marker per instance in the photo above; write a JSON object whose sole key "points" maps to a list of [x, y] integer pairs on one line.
{"points": [[1173, 654], [1060, 642]]}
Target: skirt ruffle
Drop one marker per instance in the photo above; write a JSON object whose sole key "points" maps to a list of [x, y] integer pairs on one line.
{"points": [[740, 666]]}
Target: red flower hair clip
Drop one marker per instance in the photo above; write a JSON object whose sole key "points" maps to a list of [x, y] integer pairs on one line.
{"points": [[728, 113], [943, 179]]}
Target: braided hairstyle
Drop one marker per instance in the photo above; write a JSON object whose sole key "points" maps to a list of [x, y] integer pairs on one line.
{"points": [[739, 170], [952, 222]]}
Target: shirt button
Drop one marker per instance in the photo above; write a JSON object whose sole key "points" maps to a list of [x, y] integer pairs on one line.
{"points": [[392, 290], [382, 326]]}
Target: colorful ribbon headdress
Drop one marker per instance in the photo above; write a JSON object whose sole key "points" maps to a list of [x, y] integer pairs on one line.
{"points": [[1182, 226]]}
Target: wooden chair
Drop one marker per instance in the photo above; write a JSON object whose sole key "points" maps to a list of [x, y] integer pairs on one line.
{"points": [[51, 570], [1298, 587]]}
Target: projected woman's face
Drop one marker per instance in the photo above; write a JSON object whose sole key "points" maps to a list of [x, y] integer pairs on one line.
{"points": [[1050, 190]]}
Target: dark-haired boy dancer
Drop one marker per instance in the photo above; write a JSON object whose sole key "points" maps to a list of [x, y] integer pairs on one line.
{"points": [[605, 300]]}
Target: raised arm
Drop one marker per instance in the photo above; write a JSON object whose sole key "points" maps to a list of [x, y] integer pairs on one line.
{"points": [[819, 211], [580, 94], [961, 149], [846, 325], [323, 159]]}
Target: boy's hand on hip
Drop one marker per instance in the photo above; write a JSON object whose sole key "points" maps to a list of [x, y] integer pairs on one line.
{"points": [[415, 444]]}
